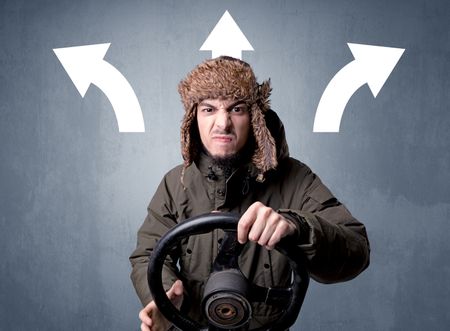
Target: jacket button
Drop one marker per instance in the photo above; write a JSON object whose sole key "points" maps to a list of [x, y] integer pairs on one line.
{"points": [[220, 192], [219, 240], [189, 251], [266, 265]]}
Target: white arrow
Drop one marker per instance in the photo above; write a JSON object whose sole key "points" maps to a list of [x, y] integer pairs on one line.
{"points": [[85, 65], [226, 39], [372, 65]]}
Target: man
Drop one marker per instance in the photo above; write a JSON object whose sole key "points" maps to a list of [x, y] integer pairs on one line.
{"points": [[236, 159]]}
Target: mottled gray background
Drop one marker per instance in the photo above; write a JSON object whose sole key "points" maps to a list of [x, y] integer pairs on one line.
{"points": [[73, 190]]}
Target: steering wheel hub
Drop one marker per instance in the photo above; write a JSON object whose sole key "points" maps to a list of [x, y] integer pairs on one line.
{"points": [[227, 310], [225, 302]]}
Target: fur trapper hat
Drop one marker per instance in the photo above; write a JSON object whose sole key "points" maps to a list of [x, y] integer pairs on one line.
{"points": [[227, 77]]}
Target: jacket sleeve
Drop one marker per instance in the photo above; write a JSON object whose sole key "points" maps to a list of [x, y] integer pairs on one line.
{"points": [[336, 247], [159, 220]]}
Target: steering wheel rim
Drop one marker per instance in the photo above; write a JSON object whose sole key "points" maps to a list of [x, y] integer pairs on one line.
{"points": [[226, 221]]}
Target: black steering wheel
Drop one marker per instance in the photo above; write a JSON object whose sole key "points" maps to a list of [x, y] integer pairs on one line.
{"points": [[228, 293]]}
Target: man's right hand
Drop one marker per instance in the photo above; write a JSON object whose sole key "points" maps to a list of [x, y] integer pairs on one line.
{"points": [[151, 317]]}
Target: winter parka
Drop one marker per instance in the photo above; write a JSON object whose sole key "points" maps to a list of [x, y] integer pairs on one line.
{"points": [[336, 246]]}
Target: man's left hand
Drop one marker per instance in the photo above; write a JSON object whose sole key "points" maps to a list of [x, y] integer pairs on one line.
{"points": [[263, 225]]}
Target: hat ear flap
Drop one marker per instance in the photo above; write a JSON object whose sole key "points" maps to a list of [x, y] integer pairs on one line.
{"points": [[264, 94], [183, 90], [188, 145], [265, 156]]}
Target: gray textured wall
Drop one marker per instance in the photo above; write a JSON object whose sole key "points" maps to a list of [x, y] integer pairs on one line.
{"points": [[73, 190]]}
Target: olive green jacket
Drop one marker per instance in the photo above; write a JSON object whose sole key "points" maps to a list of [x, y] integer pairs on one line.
{"points": [[336, 245]]}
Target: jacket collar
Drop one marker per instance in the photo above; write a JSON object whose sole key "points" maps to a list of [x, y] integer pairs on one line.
{"points": [[208, 168]]}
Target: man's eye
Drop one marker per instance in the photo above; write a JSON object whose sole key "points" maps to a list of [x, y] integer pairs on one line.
{"points": [[207, 110], [238, 109]]}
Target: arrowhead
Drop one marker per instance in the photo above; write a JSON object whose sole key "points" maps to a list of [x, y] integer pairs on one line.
{"points": [[226, 39], [80, 62], [376, 62]]}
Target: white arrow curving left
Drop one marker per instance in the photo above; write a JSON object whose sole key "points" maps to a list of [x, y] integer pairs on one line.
{"points": [[372, 65], [85, 65]]}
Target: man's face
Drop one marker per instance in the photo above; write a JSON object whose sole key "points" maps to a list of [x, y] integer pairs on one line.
{"points": [[224, 126]]}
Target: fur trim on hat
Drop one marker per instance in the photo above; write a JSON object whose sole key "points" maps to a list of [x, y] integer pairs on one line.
{"points": [[227, 77]]}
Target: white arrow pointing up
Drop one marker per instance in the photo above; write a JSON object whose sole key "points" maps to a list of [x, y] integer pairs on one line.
{"points": [[85, 65], [226, 39], [372, 65]]}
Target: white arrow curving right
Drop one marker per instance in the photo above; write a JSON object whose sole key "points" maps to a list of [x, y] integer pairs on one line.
{"points": [[85, 65], [372, 65]]}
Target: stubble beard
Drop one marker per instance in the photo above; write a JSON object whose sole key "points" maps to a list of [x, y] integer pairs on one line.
{"points": [[231, 162], [228, 161]]}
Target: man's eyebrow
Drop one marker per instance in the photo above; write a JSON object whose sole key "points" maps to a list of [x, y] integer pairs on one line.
{"points": [[234, 104], [237, 103], [205, 104]]}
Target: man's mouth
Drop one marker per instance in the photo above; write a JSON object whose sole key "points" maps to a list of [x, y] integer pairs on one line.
{"points": [[223, 138]]}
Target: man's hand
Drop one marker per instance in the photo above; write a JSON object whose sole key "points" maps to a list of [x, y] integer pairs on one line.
{"points": [[151, 317], [263, 225]]}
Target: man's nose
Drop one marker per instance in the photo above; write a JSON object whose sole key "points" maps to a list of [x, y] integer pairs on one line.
{"points": [[223, 120]]}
